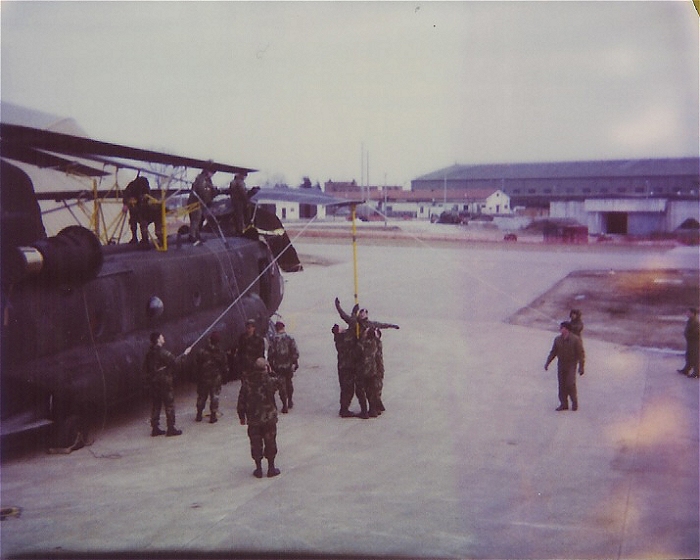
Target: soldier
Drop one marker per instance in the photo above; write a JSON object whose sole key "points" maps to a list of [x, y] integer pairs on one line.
{"points": [[159, 366], [251, 346], [576, 322], [380, 372], [239, 202], [203, 192], [346, 346], [692, 342], [211, 369], [568, 349], [369, 370], [135, 203], [256, 406], [283, 356]]}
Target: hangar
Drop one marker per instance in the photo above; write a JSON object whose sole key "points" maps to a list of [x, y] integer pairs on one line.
{"points": [[627, 197]]}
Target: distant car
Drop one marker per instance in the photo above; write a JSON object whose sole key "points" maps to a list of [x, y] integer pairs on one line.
{"points": [[510, 237]]}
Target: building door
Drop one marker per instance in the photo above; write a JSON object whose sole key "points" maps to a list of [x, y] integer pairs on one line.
{"points": [[616, 223], [307, 211]]}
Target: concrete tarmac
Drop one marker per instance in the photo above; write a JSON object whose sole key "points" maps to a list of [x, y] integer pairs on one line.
{"points": [[470, 459]]}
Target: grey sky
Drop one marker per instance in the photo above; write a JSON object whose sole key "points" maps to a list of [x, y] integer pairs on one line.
{"points": [[297, 88]]}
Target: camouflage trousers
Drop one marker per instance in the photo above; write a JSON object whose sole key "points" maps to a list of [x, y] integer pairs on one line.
{"points": [[208, 390], [286, 387], [163, 396], [373, 390], [350, 386], [263, 440]]}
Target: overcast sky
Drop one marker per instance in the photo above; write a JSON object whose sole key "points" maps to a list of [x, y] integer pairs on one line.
{"points": [[300, 88]]}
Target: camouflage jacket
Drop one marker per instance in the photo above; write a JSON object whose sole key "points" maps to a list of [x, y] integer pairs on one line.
{"points": [[159, 366], [256, 399], [202, 188], [249, 349], [346, 346], [211, 364], [370, 357], [283, 353]]}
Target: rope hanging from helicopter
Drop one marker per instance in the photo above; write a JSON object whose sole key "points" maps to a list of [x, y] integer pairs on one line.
{"points": [[272, 263]]}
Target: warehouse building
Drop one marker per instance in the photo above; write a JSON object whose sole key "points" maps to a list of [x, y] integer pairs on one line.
{"points": [[630, 197]]}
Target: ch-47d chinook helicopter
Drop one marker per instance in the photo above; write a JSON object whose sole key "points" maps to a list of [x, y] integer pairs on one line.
{"points": [[77, 310]]}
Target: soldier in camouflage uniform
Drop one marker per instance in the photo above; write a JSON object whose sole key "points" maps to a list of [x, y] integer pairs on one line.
{"points": [[256, 406], [158, 367], [211, 369], [203, 193], [369, 369], [380, 372], [346, 346], [251, 346], [283, 356]]}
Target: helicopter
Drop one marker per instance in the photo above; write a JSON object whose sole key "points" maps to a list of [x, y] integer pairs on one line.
{"points": [[78, 307]]}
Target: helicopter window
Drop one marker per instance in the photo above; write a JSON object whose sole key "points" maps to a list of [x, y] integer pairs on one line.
{"points": [[155, 307]]}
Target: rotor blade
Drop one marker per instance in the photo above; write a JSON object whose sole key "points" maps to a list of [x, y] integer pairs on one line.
{"points": [[40, 159], [67, 144]]}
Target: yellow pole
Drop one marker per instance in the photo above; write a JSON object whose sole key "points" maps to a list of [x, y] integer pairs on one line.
{"points": [[354, 263], [163, 223]]}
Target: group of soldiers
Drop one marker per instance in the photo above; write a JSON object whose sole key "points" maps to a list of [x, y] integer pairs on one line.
{"points": [[203, 193], [261, 379], [142, 211], [568, 349], [360, 362]]}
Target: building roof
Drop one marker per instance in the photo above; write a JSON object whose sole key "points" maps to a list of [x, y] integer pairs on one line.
{"points": [[570, 169], [432, 195]]}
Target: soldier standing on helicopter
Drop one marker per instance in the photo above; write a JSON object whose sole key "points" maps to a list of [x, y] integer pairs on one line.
{"points": [[212, 367], [135, 202], [283, 356], [159, 366]]}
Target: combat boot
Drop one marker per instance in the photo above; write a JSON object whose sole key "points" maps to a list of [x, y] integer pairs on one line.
{"points": [[173, 431], [199, 416], [156, 431], [213, 419], [345, 413], [271, 470]]}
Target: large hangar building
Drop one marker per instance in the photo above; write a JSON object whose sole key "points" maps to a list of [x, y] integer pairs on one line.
{"points": [[629, 197]]}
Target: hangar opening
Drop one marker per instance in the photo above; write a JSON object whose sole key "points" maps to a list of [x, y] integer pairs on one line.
{"points": [[616, 223]]}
